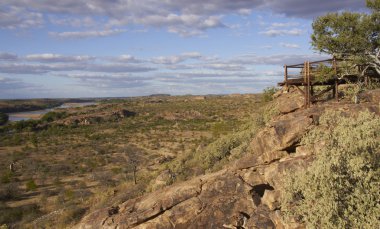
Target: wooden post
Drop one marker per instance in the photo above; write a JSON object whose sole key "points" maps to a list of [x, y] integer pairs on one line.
{"points": [[305, 82], [286, 76], [308, 85]]}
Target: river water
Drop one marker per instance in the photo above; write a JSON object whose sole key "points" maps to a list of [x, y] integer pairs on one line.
{"points": [[26, 115]]}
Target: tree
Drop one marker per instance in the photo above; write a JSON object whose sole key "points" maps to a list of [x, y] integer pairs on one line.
{"points": [[350, 34]]}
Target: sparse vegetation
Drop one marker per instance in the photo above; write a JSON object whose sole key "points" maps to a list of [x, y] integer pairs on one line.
{"points": [[268, 94], [86, 158]]}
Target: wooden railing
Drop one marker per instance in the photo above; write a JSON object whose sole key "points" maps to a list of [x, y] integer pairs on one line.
{"points": [[304, 75]]}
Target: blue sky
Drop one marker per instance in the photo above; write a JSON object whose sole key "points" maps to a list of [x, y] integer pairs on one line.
{"points": [[82, 48]]}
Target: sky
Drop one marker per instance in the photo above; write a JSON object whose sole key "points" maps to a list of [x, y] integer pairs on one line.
{"points": [[121, 48]]}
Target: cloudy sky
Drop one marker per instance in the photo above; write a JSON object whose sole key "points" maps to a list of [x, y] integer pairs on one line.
{"points": [[98, 48]]}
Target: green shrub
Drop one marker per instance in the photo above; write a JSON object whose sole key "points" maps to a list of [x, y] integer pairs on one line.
{"points": [[268, 94], [52, 116], [6, 177], [9, 191], [341, 187], [324, 73], [31, 185], [3, 118], [222, 147]]}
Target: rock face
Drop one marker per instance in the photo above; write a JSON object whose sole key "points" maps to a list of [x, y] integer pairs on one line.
{"points": [[289, 102], [245, 195]]}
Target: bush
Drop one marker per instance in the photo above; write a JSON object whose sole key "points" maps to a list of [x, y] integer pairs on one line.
{"points": [[9, 216], [324, 73], [9, 191], [70, 215], [341, 187], [31, 185], [3, 118], [6, 177], [268, 94], [52, 116]]}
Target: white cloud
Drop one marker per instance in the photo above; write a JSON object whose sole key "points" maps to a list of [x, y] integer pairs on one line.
{"points": [[186, 18], [86, 21], [282, 32], [267, 47], [8, 56], [126, 58], [288, 45], [12, 17], [171, 60], [86, 34], [50, 57], [286, 24], [278, 59]]}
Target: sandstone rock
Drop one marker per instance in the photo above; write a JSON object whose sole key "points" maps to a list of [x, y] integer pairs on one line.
{"points": [[282, 135], [271, 199], [162, 180], [304, 150], [289, 102]]}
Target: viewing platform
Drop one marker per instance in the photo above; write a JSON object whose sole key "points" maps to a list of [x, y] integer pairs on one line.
{"points": [[307, 75]]}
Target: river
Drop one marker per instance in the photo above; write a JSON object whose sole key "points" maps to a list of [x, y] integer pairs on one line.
{"points": [[26, 115]]}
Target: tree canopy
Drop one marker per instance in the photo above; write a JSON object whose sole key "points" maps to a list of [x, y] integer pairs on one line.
{"points": [[350, 34]]}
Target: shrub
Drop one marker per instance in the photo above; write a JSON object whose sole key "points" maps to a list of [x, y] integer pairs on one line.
{"points": [[70, 215], [6, 177], [268, 93], [31, 185], [9, 191], [324, 73], [341, 187], [3, 118], [52, 116], [17, 214]]}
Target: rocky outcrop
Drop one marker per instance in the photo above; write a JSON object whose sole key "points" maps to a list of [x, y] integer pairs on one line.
{"points": [[289, 101], [165, 178], [89, 118], [244, 195]]}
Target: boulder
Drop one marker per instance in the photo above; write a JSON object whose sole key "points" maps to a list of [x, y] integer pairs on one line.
{"points": [[165, 178], [271, 199], [289, 102], [282, 134]]}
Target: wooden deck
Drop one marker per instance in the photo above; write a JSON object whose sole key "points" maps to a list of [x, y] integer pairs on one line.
{"points": [[303, 75]]}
